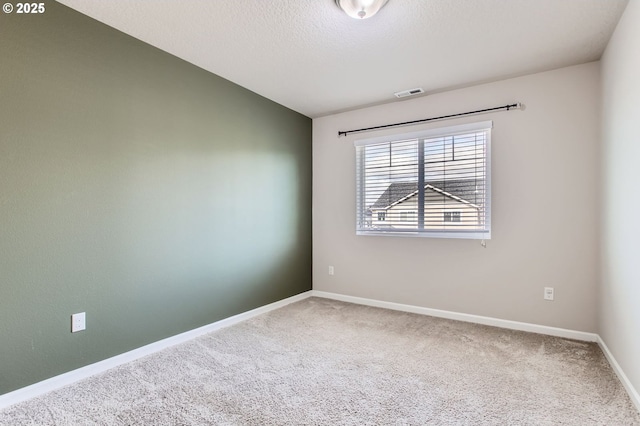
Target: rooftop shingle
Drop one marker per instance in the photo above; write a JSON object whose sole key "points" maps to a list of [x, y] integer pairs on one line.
{"points": [[468, 190]]}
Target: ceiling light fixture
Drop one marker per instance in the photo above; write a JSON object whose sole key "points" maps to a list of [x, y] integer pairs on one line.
{"points": [[361, 9]]}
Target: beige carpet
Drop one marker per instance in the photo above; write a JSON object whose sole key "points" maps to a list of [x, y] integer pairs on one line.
{"points": [[322, 362]]}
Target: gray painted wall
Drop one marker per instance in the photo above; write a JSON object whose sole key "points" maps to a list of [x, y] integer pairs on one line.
{"points": [[619, 298], [545, 208], [139, 188]]}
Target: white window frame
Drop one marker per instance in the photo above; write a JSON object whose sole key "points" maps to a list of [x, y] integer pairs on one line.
{"points": [[484, 234]]}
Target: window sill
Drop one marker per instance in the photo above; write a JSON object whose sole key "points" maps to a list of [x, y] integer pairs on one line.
{"points": [[447, 234]]}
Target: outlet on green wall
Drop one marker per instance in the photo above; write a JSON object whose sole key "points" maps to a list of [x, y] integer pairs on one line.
{"points": [[138, 188]]}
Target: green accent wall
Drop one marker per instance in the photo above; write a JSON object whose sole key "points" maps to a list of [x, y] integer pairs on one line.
{"points": [[138, 188]]}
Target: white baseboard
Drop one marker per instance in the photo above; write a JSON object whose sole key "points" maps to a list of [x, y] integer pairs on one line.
{"points": [[495, 322], [65, 379], [633, 393], [71, 377]]}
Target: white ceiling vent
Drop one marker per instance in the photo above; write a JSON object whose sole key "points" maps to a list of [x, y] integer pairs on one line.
{"points": [[410, 92]]}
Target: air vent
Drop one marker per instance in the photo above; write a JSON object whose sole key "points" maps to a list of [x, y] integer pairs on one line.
{"points": [[410, 92]]}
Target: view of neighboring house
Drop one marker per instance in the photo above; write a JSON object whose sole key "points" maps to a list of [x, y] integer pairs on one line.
{"points": [[453, 203]]}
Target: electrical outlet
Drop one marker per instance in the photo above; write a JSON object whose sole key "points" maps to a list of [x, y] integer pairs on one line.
{"points": [[548, 293], [331, 270], [78, 322]]}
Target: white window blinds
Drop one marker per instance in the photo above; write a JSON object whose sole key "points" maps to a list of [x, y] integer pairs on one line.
{"points": [[434, 183]]}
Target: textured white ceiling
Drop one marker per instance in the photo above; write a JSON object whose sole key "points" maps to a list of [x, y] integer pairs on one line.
{"points": [[309, 56]]}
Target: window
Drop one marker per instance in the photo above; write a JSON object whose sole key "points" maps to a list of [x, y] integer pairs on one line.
{"points": [[434, 183], [452, 216]]}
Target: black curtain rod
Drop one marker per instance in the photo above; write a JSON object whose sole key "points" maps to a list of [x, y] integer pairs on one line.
{"points": [[442, 117]]}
